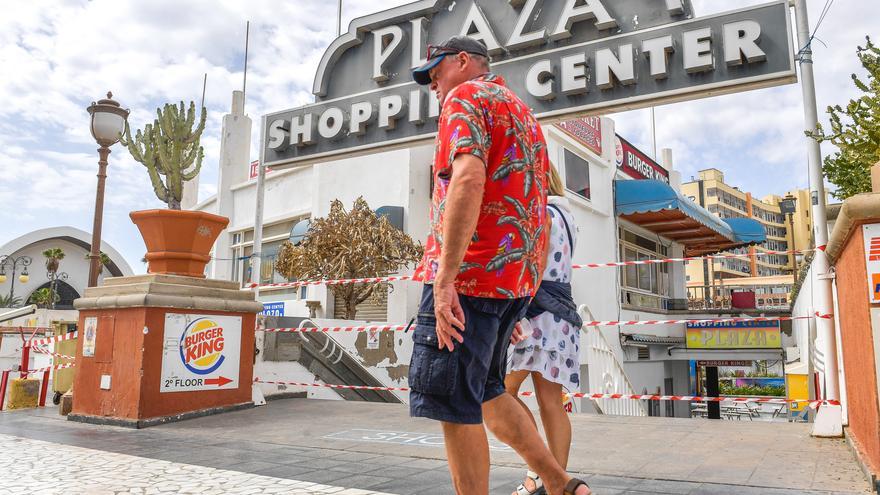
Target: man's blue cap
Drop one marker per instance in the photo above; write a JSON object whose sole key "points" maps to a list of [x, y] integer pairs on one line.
{"points": [[454, 45]]}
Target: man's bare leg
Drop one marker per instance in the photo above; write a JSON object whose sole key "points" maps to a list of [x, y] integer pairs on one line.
{"points": [[510, 424], [467, 449]]}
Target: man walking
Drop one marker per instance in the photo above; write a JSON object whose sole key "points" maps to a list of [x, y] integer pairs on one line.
{"points": [[483, 261]]}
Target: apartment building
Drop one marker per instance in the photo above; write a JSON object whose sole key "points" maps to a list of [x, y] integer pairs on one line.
{"points": [[767, 275]]}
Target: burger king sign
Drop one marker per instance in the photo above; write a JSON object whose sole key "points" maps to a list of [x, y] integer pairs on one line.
{"points": [[201, 352]]}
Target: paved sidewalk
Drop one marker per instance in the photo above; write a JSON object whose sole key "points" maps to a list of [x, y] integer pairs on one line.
{"points": [[32, 466], [378, 447]]}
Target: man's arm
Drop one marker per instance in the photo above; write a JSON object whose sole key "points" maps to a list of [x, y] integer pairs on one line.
{"points": [[462, 210]]}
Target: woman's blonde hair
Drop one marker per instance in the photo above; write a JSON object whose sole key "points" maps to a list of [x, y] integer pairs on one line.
{"points": [[555, 182]]}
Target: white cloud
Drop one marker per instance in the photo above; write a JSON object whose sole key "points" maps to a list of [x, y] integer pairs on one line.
{"points": [[757, 138], [60, 56]]}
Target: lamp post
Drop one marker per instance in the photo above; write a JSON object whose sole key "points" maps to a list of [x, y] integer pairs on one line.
{"points": [[6, 261], [107, 124], [788, 206], [54, 276]]}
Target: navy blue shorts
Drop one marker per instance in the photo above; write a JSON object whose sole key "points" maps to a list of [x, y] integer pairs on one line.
{"points": [[452, 386]]}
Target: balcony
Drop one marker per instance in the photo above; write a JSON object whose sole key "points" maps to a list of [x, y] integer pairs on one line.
{"points": [[730, 297]]}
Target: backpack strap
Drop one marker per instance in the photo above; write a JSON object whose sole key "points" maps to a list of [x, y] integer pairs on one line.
{"points": [[567, 229]]}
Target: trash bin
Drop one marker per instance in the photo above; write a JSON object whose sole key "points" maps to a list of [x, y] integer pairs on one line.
{"points": [[62, 379]]}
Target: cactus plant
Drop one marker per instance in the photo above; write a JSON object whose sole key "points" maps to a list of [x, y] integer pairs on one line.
{"points": [[169, 148]]}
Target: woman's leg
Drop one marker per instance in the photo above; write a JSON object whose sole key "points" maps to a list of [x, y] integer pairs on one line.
{"points": [[512, 383], [557, 425]]}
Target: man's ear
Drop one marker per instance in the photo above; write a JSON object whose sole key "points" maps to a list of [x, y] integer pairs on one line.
{"points": [[463, 59]]}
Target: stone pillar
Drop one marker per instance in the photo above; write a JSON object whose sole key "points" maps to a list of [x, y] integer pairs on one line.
{"points": [[235, 149], [157, 348]]}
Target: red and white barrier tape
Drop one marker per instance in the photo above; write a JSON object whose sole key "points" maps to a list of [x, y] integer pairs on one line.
{"points": [[685, 259], [57, 338], [303, 283], [45, 351], [612, 323], [372, 328], [47, 368], [685, 398], [609, 323]]}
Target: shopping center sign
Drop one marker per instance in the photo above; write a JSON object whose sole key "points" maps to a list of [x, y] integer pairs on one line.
{"points": [[565, 58], [734, 335]]}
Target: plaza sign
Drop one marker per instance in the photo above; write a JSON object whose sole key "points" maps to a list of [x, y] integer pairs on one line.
{"points": [[565, 58], [734, 335]]}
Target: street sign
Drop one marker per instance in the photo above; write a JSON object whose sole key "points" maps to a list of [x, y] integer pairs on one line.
{"points": [[201, 352], [565, 59], [724, 363]]}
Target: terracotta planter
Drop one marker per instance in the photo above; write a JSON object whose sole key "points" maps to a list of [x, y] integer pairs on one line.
{"points": [[178, 241]]}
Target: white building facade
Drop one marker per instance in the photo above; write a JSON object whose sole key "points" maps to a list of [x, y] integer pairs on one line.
{"points": [[586, 152]]}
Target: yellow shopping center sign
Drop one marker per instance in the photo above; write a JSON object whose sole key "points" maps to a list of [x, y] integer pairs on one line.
{"points": [[734, 335]]}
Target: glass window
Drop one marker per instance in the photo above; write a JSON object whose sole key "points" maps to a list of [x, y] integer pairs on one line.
{"points": [[577, 174], [645, 286]]}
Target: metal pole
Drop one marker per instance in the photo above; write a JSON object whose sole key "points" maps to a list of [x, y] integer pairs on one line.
{"points": [[811, 370], [256, 256], [794, 267], [12, 281], [339, 19], [25, 359], [4, 377], [95, 254], [821, 268], [247, 40]]}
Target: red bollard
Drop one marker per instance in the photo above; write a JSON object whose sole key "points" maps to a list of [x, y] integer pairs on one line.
{"points": [[3, 380], [44, 387]]}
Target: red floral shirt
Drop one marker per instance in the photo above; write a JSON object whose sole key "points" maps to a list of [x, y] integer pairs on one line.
{"points": [[505, 258]]}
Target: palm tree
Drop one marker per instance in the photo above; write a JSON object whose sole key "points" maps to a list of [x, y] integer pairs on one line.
{"points": [[105, 260], [10, 302], [53, 258], [43, 298]]}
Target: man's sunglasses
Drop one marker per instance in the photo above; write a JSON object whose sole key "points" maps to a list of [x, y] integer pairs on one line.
{"points": [[440, 51], [437, 51]]}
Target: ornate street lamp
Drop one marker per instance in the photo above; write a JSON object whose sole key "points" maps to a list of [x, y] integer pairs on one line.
{"points": [[8, 261], [54, 277], [108, 122], [788, 207]]}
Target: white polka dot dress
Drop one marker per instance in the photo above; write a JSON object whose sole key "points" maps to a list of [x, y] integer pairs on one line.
{"points": [[552, 348]]}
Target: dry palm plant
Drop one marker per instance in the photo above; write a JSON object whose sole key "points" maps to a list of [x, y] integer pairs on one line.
{"points": [[349, 244]]}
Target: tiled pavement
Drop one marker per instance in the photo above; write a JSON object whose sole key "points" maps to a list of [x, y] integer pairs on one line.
{"points": [[48, 468], [377, 447]]}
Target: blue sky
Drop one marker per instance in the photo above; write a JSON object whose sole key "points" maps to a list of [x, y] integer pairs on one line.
{"points": [[60, 56]]}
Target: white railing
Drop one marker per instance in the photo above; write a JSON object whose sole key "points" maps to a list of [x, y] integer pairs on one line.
{"points": [[606, 374]]}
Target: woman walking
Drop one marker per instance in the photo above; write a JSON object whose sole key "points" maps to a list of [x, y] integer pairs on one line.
{"points": [[549, 351]]}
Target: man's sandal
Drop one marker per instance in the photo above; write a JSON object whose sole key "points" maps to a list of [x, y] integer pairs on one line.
{"points": [[539, 485], [573, 485]]}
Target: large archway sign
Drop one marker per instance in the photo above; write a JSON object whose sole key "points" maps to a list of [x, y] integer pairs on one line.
{"points": [[565, 58]]}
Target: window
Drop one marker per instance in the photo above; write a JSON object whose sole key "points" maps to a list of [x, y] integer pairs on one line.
{"points": [[712, 191], [645, 286], [577, 174], [644, 354]]}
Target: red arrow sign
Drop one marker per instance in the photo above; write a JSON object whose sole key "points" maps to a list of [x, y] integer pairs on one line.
{"points": [[220, 381]]}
